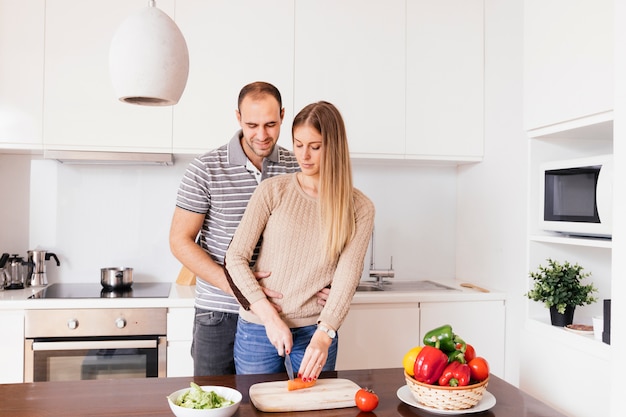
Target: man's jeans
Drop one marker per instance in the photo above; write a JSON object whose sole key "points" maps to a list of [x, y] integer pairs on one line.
{"points": [[213, 340], [254, 354]]}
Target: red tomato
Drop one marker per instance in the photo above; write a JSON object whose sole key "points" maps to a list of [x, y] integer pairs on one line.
{"points": [[470, 353], [366, 399], [479, 368]]}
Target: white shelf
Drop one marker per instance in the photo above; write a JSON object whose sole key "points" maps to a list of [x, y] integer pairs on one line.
{"points": [[598, 126], [586, 344], [575, 241]]}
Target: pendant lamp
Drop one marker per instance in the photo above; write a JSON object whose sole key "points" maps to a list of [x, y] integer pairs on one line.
{"points": [[148, 59]]}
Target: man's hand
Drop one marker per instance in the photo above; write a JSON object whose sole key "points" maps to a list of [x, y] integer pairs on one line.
{"points": [[322, 295], [269, 293]]}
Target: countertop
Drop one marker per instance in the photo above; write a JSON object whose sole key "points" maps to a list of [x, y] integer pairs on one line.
{"points": [[183, 296], [146, 397]]}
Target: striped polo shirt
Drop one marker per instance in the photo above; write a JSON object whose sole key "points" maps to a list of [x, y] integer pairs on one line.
{"points": [[218, 185]]}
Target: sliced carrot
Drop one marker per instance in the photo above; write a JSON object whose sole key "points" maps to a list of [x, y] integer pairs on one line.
{"points": [[298, 383]]}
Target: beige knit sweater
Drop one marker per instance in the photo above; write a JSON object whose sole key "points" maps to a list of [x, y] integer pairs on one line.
{"points": [[288, 220]]}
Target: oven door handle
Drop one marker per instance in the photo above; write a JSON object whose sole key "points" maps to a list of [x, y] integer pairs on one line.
{"points": [[96, 344]]}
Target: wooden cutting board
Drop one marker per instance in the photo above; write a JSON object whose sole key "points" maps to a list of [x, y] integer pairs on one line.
{"points": [[327, 393]]}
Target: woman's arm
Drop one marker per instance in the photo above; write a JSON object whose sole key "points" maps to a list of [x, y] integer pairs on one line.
{"points": [[345, 280], [241, 249]]}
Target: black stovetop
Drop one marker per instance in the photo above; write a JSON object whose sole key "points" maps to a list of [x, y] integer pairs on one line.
{"points": [[87, 290]]}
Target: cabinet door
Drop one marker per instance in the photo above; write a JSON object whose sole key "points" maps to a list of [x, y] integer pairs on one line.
{"points": [[444, 91], [479, 323], [12, 346], [81, 111], [230, 45], [21, 69], [179, 338], [568, 60], [352, 53], [377, 335]]}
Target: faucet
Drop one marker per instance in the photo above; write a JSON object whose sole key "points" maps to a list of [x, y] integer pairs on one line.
{"points": [[379, 274]]}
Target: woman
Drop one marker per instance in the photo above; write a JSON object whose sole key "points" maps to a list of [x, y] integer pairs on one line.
{"points": [[315, 228]]}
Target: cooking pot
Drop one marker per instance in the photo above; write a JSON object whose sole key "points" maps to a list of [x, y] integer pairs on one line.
{"points": [[110, 293], [116, 278]]}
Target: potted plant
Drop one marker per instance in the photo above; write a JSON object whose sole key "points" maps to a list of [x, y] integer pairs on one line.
{"points": [[559, 287]]}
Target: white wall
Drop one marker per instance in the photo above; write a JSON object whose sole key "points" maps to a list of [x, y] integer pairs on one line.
{"points": [[492, 195], [95, 216], [14, 201]]}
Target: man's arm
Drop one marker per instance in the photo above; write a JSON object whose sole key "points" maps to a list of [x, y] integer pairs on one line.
{"points": [[183, 232]]}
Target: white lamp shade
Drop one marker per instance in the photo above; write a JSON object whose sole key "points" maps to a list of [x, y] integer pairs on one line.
{"points": [[149, 60]]}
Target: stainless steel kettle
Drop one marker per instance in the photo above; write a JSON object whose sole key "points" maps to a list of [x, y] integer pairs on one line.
{"points": [[36, 276]]}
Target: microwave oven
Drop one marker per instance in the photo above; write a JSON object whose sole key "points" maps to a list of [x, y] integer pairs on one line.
{"points": [[576, 196]]}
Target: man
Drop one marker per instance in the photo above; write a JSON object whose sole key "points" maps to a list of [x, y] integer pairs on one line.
{"points": [[211, 200]]}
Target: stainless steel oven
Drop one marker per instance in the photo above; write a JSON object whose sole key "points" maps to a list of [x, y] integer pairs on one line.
{"points": [[78, 344]]}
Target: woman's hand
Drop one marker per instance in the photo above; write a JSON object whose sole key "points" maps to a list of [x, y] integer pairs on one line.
{"points": [[277, 331], [315, 356]]}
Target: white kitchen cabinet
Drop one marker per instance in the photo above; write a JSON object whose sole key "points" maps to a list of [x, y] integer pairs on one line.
{"points": [[378, 335], [230, 45], [479, 323], [21, 69], [445, 79], [352, 54], [81, 111], [407, 75], [179, 338], [568, 63], [12, 346]]}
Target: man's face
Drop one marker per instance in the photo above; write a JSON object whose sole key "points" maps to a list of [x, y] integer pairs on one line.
{"points": [[260, 119]]}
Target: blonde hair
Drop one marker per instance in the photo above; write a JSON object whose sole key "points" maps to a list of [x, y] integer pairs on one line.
{"points": [[336, 193]]}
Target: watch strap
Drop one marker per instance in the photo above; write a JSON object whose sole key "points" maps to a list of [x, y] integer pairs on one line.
{"points": [[329, 332]]}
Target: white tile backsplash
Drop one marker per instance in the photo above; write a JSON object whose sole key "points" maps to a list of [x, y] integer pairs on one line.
{"points": [[96, 216]]}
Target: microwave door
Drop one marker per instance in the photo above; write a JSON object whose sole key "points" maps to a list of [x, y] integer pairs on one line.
{"points": [[570, 195]]}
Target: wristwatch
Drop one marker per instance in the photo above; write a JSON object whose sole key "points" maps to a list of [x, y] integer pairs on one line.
{"points": [[330, 332]]}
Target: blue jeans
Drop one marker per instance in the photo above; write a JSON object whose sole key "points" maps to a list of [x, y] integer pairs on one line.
{"points": [[213, 340], [254, 354]]}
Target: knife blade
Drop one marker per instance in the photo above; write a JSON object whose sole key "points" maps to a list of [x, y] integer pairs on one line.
{"points": [[288, 366]]}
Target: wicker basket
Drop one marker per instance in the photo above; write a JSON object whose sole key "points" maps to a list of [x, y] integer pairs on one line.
{"points": [[446, 398]]}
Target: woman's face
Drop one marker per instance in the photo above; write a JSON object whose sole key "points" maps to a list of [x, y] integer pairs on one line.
{"points": [[307, 146]]}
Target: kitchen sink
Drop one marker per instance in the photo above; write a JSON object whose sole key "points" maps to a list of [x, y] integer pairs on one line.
{"points": [[391, 285], [368, 287]]}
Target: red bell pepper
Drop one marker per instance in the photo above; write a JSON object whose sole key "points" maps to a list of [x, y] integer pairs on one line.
{"points": [[456, 374], [429, 364]]}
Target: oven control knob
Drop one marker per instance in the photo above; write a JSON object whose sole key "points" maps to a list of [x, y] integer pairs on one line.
{"points": [[120, 323], [72, 324]]}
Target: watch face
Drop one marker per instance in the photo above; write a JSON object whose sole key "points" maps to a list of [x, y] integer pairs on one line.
{"points": [[330, 332]]}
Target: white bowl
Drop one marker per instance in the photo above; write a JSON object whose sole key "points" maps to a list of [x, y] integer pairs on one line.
{"points": [[228, 393]]}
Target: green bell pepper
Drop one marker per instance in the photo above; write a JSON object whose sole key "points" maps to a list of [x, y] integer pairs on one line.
{"points": [[444, 338]]}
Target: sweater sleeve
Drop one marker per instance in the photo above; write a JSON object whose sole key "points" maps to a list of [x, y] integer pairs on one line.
{"points": [[350, 265], [241, 249]]}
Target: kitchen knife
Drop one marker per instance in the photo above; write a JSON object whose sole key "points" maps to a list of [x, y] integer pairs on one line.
{"points": [[288, 366]]}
